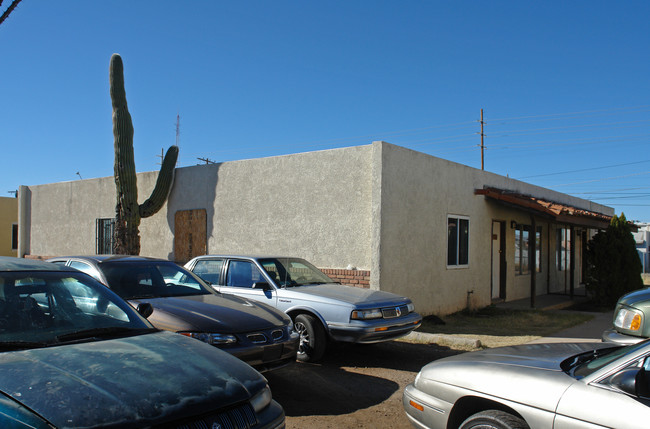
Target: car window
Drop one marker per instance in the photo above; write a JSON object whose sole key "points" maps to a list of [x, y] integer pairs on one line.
{"points": [[44, 306], [243, 274], [84, 268], [291, 272], [589, 363], [209, 269], [151, 279]]}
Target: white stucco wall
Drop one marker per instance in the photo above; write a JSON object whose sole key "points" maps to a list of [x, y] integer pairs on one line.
{"points": [[418, 192], [315, 205]]}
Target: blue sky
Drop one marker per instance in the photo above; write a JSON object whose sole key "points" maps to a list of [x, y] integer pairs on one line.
{"points": [[563, 85]]}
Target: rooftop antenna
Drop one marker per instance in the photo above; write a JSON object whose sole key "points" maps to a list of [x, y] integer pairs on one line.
{"points": [[79, 174], [178, 137], [178, 129]]}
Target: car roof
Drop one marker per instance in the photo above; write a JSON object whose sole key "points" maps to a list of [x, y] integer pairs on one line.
{"points": [[246, 256], [111, 258], [8, 263]]}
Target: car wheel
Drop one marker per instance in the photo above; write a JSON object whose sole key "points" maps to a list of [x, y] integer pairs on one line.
{"points": [[494, 419], [312, 338]]}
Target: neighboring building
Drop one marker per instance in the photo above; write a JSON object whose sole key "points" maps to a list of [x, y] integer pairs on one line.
{"points": [[8, 226], [642, 238], [446, 235]]}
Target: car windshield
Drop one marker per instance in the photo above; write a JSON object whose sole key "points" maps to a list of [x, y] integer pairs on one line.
{"points": [[289, 272], [151, 279], [46, 308], [585, 364]]}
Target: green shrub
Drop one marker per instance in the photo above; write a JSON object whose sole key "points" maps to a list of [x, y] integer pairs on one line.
{"points": [[613, 265]]}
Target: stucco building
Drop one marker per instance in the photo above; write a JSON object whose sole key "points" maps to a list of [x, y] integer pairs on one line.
{"points": [[446, 235]]}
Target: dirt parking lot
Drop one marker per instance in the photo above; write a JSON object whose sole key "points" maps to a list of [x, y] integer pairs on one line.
{"points": [[354, 386]]}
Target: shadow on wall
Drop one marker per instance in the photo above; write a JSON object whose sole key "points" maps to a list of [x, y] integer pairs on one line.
{"points": [[190, 211]]}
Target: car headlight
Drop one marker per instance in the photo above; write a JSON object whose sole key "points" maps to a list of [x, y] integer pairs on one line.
{"points": [[375, 313], [262, 399], [410, 307], [211, 338], [629, 319]]}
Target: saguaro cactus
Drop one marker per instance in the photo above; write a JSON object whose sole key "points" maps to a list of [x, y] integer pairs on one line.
{"points": [[128, 212]]}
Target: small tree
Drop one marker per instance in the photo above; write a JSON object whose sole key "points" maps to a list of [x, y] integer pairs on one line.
{"points": [[613, 265]]}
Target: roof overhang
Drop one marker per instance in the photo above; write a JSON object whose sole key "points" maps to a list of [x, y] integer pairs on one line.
{"points": [[561, 213]]}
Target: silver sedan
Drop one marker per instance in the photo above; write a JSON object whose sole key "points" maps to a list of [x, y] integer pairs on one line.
{"points": [[560, 386]]}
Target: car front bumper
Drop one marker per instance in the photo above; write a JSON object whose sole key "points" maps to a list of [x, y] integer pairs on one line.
{"points": [[423, 410], [374, 331], [612, 336], [267, 357]]}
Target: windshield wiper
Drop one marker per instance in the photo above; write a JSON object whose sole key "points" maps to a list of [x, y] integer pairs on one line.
{"points": [[112, 331], [21, 345]]}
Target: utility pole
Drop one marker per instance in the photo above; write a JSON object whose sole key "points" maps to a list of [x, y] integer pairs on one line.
{"points": [[482, 146]]}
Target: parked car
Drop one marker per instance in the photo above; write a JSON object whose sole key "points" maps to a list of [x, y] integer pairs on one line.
{"points": [[631, 322], [256, 333], [560, 385], [321, 310], [65, 363]]}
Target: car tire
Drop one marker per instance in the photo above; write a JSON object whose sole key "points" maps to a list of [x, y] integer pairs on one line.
{"points": [[494, 419], [312, 338]]}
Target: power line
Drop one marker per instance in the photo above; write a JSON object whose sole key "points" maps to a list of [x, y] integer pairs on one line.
{"points": [[604, 179], [585, 169], [548, 115]]}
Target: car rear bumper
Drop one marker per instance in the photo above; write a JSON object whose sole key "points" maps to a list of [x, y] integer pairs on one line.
{"points": [[267, 357], [374, 331], [612, 336]]}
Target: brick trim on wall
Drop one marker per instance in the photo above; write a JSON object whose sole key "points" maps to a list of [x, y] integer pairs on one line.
{"points": [[358, 278]]}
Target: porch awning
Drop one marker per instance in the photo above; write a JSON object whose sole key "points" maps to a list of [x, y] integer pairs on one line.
{"points": [[549, 209]]}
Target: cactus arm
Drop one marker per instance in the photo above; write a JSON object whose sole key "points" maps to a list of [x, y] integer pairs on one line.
{"points": [[163, 184]]}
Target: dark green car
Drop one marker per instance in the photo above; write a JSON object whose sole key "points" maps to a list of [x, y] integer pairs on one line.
{"points": [[73, 354]]}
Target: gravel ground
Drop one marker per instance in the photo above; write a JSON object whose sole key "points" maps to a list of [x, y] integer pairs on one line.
{"points": [[354, 386]]}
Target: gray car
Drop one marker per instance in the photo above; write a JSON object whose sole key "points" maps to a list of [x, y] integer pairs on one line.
{"points": [[561, 386], [256, 333], [631, 322], [67, 364], [321, 309]]}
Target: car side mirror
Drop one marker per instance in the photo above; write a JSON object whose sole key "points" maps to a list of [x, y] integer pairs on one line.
{"points": [[145, 309], [633, 381], [262, 285]]}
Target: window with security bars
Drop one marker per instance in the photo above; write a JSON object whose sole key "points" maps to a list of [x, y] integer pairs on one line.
{"points": [[104, 242]]}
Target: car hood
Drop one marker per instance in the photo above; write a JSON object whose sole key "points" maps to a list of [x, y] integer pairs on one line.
{"points": [[633, 298], [529, 374], [352, 295], [129, 382], [213, 313]]}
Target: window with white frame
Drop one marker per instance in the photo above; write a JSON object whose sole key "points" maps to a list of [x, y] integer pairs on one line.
{"points": [[457, 241]]}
